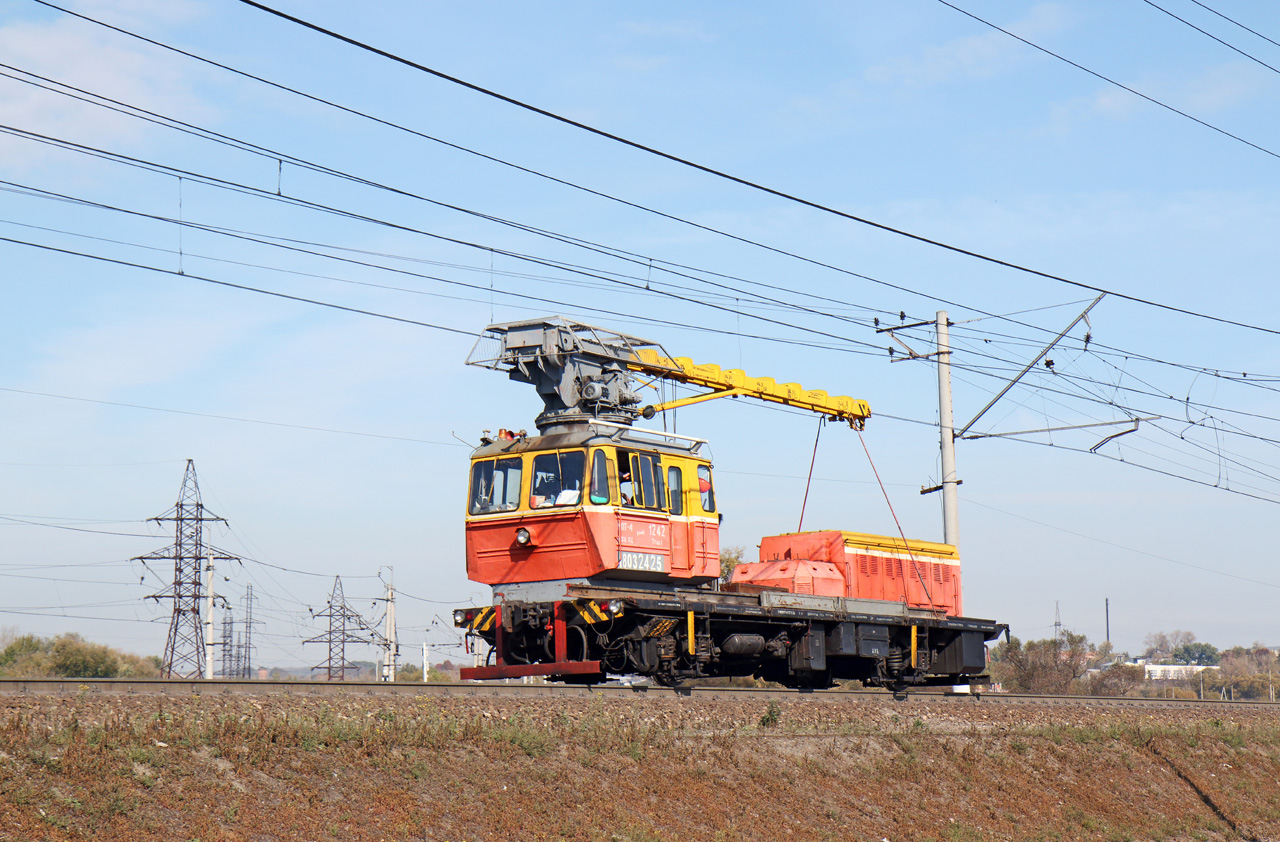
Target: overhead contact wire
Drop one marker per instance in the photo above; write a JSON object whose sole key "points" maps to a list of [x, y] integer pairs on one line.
{"points": [[780, 193]]}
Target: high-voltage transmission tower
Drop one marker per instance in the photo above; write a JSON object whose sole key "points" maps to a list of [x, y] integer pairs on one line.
{"points": [[237, 648], [345, 626], [228, 643], [184, 652], [244, 647]]}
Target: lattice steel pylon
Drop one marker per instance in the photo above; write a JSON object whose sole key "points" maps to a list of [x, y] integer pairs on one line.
{"points": [[184, 655], [343, 622], [244, 647], [230, 669]]}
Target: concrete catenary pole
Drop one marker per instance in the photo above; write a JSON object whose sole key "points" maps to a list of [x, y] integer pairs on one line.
{"points": [[208, 618], [946, 432], [389, 632], [426, 664]]}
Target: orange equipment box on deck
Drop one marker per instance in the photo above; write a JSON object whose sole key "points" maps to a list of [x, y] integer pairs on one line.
{"points": [[861, 566]]}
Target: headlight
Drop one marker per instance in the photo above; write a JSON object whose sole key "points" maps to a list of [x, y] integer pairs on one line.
{"points": [[616, 606], [459, 617], [523, 538]]}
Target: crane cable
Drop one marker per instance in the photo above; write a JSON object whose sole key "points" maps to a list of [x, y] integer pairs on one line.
{"points": [[915, 567], [822, 419]]}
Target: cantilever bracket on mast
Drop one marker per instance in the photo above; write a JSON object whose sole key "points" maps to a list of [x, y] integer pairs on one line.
{"points": [[911, 353], [1133, 421], [1114, 436], [1082, 317]]}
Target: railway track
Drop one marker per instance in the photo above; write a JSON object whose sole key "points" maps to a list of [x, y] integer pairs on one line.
{"points": [[78, 687]]}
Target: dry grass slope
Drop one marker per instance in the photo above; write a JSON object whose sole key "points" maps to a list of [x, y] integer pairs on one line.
{"points": [[645, 770]]}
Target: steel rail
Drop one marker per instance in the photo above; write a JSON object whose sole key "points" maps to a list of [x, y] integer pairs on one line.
{"points": [[81, 687]]}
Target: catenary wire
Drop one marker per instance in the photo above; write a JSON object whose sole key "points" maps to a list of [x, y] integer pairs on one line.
{"points": [[263, 240], [386, 122], [1207, 34], [272, 154], [354, 310], [228, 418], [788, 196], [697, 166], [1106, 79], [259, 192], [59, 250], [1236, 22]]}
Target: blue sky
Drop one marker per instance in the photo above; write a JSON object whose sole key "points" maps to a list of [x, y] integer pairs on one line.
{"points": [[912, 115]]}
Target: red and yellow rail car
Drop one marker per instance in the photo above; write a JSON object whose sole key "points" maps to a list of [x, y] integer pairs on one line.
{"points": [[591, 504], [922, 574], [601, 543]]}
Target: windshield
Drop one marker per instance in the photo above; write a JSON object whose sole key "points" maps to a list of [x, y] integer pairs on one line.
{"points": [[557, 479], [495, 486]]}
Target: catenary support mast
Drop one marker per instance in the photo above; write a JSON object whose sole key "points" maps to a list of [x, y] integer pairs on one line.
{"points": [[946, 432]]}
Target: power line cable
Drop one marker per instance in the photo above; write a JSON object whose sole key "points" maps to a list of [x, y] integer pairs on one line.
{"points": [[76, 528], [237, 143], [1106, 79], [82, 617], [208, 134], [252, 289], [225, 417], [259, 192], [242, 288], [1216, 572], [1236, 22], [254, 238], [782, 194], [234, 70], [270, 241], [1252, 58]]}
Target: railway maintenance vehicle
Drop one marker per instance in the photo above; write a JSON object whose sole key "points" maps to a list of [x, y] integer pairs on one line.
{"points": [[600, 541]]}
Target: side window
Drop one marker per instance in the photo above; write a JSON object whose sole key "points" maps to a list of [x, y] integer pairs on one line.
{"points": [[600, 477], [626, 485], [660, 494], [675, 485], [705, 489], [646, 471], [495, 486], [557, 479]]}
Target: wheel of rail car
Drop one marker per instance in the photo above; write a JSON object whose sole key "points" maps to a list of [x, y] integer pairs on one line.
{"points": [[899, 694]]}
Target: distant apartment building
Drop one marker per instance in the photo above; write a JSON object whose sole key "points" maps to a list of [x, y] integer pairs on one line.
{"points": [[1173, 672]]}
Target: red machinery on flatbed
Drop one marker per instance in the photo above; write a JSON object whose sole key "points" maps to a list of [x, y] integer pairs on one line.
{"points": [[601, 543]]}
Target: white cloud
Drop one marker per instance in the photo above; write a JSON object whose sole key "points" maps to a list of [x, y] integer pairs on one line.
{"points": [[125, 13], [1222, 87], [641, 64], [976, 56], [117, 352], [1216, 89], [80, 54], [678, 30]]}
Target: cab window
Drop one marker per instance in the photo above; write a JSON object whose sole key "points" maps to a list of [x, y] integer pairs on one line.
{"points": [[557, 479], [675, 486], [646, 481], [600, 477], [495, 486], [705, 489]]}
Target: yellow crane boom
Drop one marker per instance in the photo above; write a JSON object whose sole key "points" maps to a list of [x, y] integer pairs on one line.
{"points": [[725, 382]]}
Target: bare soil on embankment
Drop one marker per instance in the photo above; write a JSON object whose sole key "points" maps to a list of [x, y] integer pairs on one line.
{"points": [[415, 768]]}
